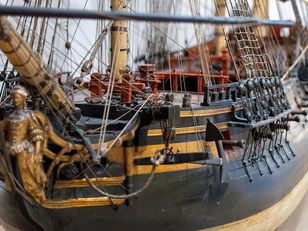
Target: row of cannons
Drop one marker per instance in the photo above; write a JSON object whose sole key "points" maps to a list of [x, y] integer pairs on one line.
{"points": [[260, 98], [268, 114], [260, 105]]}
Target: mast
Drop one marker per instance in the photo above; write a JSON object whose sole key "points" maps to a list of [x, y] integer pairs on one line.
{"points": [[32, 70], [260, 10], [119, 47], [220, 41], [297, 15]]}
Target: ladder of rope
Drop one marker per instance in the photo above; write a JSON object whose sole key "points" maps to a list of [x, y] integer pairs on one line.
{"points": [[252, 56]]}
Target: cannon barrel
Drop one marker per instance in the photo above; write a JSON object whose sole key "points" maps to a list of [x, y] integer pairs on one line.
{"points": [[299, 112], [289, 119], [238, 143]]}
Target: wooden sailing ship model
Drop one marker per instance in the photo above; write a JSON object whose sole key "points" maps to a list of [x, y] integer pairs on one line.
{"points": [[131, 157]]}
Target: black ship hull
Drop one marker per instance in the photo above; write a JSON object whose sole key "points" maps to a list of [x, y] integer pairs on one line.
{"points": [[263, 193], [182, 201], [140, 160]]}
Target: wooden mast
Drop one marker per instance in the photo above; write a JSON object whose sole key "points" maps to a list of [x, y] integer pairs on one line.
{"points": [[119, 47], [220, 41], [260, 10]]}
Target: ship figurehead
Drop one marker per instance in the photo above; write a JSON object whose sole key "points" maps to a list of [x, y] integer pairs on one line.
{"points": [[24, 139]]}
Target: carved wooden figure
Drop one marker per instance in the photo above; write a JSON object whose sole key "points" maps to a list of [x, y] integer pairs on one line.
{"points": [[24, 139]]}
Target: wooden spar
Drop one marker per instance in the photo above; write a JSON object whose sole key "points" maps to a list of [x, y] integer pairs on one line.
{"points": [[220, 41], [260, 10], [32, 69], [299, 58], [104, 15], [119, 47]]}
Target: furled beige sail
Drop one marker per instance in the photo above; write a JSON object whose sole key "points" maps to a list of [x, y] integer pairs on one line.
{"points": [[32, 69]]}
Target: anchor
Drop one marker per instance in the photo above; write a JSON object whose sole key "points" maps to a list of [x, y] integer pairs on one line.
{"points": [[219, 189]]}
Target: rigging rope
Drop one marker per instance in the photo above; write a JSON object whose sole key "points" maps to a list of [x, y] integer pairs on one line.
{"points": [[63, 116], [109, 94], [97, 44], [125, 196], [126, 126], [202, 47], [171, 39], [79, 20]]}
